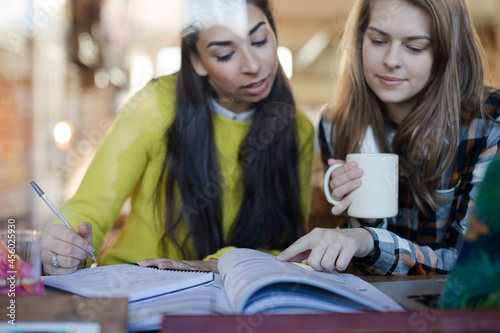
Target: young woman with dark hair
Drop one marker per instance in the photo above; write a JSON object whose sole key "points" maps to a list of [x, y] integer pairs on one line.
{"points": [[213, 157], [411, 83]]}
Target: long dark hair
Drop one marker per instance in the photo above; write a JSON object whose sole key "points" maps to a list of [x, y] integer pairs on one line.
{"points": [[270, 216]]}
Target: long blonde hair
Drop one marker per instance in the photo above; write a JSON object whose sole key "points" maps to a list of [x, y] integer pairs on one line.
{"points": [[426, 139]]}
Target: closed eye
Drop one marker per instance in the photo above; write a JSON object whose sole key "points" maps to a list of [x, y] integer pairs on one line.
{"points": [[225, 57], [378, 42], [261, 42], [415, 49]]}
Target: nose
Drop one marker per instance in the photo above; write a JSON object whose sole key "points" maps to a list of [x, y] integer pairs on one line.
{"points": [[392, 59], [249, 63]]}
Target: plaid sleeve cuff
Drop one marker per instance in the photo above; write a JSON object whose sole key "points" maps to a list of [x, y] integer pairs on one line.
{"points": [[393, 254]]}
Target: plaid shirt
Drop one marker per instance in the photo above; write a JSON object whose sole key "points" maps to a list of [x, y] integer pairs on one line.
{"points": [[411, 242]]}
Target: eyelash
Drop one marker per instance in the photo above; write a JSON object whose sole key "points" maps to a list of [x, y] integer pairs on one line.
{"points": [[378, 42], [414, 49], [261, 42], [225, 57], [228, 56]]}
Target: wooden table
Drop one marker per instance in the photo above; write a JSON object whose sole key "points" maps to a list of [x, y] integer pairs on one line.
{"points": [[110, 313], [415, 321]]}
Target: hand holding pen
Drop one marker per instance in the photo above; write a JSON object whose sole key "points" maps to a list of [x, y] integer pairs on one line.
{"points": [[62, 250]]}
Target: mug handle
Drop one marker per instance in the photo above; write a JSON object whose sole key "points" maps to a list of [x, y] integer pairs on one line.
{"points": [[326, 184]]}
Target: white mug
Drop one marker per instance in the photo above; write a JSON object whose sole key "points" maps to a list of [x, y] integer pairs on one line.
{"points": [[377, 197]]}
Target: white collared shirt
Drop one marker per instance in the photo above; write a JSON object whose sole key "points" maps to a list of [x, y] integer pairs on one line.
{"points": [[226, 113]]}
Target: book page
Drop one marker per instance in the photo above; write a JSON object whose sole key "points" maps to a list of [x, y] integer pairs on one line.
{"points": [[207, 299], [245, 271], [126, 280]]}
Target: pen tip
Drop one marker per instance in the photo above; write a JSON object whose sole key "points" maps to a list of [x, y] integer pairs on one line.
{"points": [[37, 189]]}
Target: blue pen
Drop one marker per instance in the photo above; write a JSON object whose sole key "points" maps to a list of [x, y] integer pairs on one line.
{"points": [[55, 210]]}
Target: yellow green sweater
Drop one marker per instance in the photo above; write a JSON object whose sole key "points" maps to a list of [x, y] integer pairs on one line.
{"points": [[128, 164]]}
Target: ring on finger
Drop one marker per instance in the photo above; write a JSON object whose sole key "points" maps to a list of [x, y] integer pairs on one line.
{"points": [[54, 261]]}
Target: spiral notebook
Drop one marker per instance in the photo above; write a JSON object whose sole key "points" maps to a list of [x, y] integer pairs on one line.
{"points": [[127, 280]]}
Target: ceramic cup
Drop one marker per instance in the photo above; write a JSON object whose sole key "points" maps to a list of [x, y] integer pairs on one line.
{"points": [[377, 197]]}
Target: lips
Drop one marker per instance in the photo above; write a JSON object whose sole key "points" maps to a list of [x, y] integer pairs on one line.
{"points": [[390, 81], [255, 84], [256, 88]]}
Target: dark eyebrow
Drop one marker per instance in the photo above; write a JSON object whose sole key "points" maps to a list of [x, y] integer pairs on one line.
{"points": [[219, 43], [225, 43], [410, 37], [257, 26]]}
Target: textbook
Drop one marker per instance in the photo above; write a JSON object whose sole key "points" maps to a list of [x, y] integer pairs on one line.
{"points": [[127, 280], [251, 281]]}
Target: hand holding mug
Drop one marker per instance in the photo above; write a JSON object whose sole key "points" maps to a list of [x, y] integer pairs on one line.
{"points": [[343, 179], [376, 196]]}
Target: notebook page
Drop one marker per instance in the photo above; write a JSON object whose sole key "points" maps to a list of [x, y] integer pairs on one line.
{"points": [[125, 280]]}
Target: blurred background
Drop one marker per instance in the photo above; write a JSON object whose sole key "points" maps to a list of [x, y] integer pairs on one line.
{"points": [[66, 67]]}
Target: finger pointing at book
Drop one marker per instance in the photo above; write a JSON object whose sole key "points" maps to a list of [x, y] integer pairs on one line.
{"points": [[64, 250], [329, 249]]}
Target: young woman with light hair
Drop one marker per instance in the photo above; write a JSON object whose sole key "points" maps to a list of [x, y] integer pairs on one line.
{"points": [[411, 83]]}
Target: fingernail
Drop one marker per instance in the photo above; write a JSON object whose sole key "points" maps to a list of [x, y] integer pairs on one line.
{"points": [[90, 248], [140, 263], [279, 256]]}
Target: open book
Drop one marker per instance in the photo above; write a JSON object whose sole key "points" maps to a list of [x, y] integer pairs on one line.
{"points": [[251, 281], [127, 280]]}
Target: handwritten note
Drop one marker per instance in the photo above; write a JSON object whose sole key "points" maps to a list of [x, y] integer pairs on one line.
{"points": [[126, 280]]}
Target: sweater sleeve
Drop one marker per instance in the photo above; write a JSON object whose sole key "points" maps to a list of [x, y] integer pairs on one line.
{"points": [[219, 253], [306, 136], [117, 166]]}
